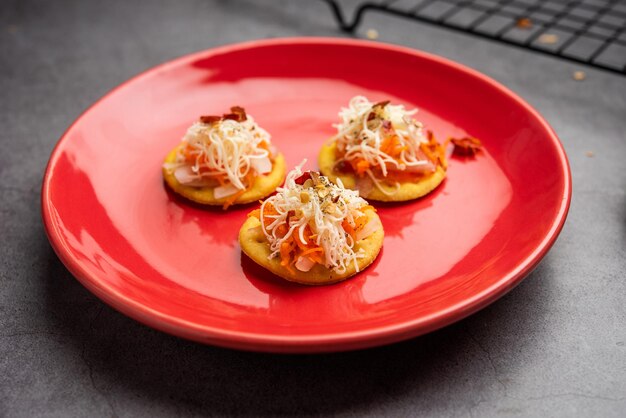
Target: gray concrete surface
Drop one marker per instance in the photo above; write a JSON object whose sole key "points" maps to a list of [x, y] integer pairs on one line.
{"points": [[554, 346]]}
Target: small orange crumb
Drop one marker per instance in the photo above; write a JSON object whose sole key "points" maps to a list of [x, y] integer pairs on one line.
{"points": [[466, 146], [579, 75], [524, 23], [590, 154]]}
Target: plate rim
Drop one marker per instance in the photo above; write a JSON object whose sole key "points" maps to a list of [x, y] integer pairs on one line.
{"points": [[329, 342]]}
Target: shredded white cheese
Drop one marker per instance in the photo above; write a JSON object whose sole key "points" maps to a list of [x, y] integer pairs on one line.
{"points": [[363, 128], [227, 148], [323, 206]]}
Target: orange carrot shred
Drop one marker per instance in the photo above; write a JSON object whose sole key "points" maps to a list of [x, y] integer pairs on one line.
{"points": [[315, 257], [360, 222], [285, 253], [349, 229], [312, 250], [362, 166], [229, 202], [282, 230]]}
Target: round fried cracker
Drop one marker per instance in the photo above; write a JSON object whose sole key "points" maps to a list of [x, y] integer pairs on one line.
{"points": [[408, 190], [263, 186], [254, 244]]}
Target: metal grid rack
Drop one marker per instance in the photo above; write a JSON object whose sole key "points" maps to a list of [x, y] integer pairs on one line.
{"points": [[592, 32]]}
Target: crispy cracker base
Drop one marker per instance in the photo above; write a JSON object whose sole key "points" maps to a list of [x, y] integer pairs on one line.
{"points": [[407, 190], [263, 185], [254, 245]]}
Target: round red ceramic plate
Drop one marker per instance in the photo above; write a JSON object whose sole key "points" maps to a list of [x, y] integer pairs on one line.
{"points": [[179, 268]]}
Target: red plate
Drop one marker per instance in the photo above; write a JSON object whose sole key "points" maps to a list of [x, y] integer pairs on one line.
{"points": [[179, 268]]}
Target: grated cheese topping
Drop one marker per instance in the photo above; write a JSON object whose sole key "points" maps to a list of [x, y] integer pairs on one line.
{"points": [[321, 205], [223, 151]]}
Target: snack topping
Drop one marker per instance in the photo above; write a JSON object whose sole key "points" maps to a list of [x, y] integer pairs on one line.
{"points": [[382, 141], [225, 152], [312, 221]]}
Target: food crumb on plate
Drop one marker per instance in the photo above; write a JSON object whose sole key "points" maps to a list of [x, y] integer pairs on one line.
{"points": [[579, 75], [371, 34]]}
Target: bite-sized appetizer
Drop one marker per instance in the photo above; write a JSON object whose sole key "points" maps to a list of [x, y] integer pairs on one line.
{"points": [[382, 152], [312, 231], [224, 160]]}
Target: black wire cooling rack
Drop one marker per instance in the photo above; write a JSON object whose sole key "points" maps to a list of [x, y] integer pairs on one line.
{"points": [[592, 32]]}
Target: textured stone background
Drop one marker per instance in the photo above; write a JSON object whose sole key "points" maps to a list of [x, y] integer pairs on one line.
{"points": [[555, 346]]}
